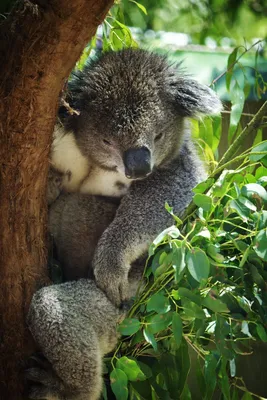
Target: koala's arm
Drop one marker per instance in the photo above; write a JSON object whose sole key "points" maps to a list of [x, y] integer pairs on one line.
{"points": [[140, 218]]}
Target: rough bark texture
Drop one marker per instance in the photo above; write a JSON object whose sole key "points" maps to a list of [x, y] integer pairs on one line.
{"points": [[39, 45]]}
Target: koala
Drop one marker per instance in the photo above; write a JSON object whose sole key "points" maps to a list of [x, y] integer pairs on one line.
{"points": [[74, 324], [131, 140]]}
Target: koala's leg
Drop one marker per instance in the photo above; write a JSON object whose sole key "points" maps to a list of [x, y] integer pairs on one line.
{"points": [[76, 222], [74, 325], [80, 380]]}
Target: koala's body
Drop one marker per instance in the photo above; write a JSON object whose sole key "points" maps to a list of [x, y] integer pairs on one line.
{"points": [[132, 130], [74, 323], [76, 222]]}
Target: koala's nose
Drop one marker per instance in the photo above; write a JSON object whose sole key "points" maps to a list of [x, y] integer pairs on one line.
{"points": [[137, 162]]}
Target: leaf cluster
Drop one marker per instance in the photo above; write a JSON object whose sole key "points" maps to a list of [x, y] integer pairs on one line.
{"points": [[205, 291]]}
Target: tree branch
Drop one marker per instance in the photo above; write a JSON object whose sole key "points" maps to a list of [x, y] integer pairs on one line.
{"points": [[227, 157]]}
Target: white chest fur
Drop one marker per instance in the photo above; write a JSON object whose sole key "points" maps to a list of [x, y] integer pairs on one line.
{"points": [[81, 175], [105, 183]]}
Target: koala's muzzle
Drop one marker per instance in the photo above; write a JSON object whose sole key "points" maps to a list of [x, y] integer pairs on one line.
{"points": [[137, 162]]}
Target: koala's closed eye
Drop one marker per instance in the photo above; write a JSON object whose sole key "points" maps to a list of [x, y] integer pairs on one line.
{"points": [[159, 136]]}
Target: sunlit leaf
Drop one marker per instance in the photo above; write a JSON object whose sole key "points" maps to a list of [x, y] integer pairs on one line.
{"points": [[198, 264], [129, 326], [119, 382], [203, 201], [130, 368]]}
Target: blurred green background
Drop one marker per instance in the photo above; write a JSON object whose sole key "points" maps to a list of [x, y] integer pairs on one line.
{"points": [[218, 19]]}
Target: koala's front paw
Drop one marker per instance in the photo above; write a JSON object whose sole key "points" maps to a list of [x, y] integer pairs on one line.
{"points": [[113, 280]]}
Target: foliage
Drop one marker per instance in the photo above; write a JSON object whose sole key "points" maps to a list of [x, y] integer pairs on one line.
{"points": [[205, 290], [202, 18]]}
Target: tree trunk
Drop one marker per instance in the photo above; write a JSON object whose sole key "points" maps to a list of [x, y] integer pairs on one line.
{"points": [[40, 42]]}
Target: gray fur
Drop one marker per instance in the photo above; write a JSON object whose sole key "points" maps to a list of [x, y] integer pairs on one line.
{"points": [[128, 100], [74, 324], [80, 328], [76, 222]]}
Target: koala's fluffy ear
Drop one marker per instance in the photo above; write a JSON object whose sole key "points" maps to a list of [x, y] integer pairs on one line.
{"points": [[193, 99]]}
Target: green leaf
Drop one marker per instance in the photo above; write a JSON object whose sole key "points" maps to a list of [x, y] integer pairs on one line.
{"points": [[131, 369], [129, 326], [247, 203], [192, 310], [178, 262], [261, 332], [260, 148], [172, 232], [177, 327], [240, 208], [119, 382], [232, 366], [161, 394], [198, 264], [203, 186], [237, 100], [143, 389], [170, 370], [189, 294], [213, 252], [260, 244], [159, 322], [261, 172], [230, 67], [224, 380], [214, 304], [203, 201], [252, 190], [142, 8], [210, 374], [145, 369], [159, 303], [247, 396], [149, 337]]}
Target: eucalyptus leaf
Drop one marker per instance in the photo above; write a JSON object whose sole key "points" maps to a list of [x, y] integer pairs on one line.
{"points": [[129, 326], [119, 383], [158, 303], [198, 264], [203, 201], [130, 368], [177, 327]]}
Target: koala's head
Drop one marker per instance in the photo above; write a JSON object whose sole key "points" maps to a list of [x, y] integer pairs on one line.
{"points": [[132, 106]]}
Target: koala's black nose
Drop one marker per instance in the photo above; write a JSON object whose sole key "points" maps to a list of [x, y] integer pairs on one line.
{"points": [[137, 162]]}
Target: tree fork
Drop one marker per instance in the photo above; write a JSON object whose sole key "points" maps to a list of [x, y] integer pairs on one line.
{"points": [[39, 44]]}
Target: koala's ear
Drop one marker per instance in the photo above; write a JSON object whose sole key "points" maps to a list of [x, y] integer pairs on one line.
{"points": [[193, 99]]}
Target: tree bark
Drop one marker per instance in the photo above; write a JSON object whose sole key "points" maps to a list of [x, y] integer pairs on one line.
{"points": [[40, 43]]}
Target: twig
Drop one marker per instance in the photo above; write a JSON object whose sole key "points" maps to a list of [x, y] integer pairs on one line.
{"points": [[251, 126], [236, 61], [228, 156]]}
